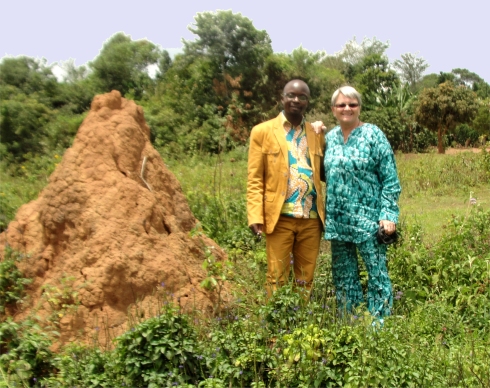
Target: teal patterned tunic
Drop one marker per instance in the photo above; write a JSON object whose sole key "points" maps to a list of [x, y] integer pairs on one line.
{"points": [[362, 183]]}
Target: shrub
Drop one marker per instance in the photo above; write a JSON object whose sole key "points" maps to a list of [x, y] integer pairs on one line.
{"points": [[455, 269], [465, 135], [25, 354], [86, 367], [161, 350], [12, 282]]}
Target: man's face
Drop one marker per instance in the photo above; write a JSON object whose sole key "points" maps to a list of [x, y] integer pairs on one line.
{"points": [[295, 98]]}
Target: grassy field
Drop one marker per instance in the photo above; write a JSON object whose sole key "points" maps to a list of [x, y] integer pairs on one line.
{"points": [[437, 187], [434, 187]]}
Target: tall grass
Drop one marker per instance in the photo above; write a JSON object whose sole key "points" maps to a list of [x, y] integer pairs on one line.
{"points": [[439, 175]]}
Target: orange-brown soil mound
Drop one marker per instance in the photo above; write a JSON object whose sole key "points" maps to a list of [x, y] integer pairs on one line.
{"points": [[110, 231]]}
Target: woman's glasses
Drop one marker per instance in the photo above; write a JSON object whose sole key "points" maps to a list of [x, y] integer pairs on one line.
{"points": [[342, 106]]}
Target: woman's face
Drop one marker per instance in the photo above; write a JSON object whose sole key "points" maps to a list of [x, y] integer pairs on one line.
{"points": [[345, 114]]}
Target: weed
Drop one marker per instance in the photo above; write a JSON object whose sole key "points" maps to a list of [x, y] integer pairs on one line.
{"points": [[25, 355], [12, 282]]}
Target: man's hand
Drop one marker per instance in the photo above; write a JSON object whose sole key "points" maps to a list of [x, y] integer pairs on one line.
{"points": [[257, 230], [318, 127], [388, 226]]}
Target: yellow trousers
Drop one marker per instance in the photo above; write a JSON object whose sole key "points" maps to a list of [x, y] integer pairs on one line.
{"points": [[294, 242]]}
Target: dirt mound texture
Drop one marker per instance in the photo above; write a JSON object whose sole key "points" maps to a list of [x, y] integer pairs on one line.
{"points": [[110, 232]]}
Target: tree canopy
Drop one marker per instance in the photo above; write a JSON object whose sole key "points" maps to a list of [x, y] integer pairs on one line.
{"points": [[123, 65], [441, 109], [411, 69]]}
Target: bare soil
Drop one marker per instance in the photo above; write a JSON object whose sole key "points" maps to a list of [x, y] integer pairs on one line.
{"points": [[452, 151], [112, 234]]}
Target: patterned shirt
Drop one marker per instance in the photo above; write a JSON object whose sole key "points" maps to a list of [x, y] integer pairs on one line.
{"points": [[301, 195], [362, 183]]}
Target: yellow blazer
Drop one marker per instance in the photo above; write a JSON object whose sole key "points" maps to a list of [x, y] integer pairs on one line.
{"points": [[268, 172]]}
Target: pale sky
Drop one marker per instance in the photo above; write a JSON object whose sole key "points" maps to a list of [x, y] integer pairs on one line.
{"points": [[447, 34]]}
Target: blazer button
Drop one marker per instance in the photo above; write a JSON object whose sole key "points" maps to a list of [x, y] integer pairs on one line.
{"points": [[282, 193], [285, 174]]}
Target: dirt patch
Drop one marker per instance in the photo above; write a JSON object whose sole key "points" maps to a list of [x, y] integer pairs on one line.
{"points": [[449, 151], [111, 234], [452, 151]]}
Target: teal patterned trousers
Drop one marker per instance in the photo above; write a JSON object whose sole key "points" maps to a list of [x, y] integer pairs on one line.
{"points": [[346, 279]]}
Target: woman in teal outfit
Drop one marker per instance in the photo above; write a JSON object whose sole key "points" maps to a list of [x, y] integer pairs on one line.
{"points": [[362, 194]]}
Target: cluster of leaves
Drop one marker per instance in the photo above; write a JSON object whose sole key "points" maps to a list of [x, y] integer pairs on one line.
{"points": [[25, 355], [33, 174], [12, 283], [455, 269], [38, 113]]}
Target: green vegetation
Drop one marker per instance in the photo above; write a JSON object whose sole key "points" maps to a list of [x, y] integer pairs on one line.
{"points": [[201, 106], [438, 335], [12, 282]]}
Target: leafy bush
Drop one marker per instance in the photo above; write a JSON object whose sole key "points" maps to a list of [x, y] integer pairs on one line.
{"points": [[25, 354], [86, 367], [22, 119], [238, 350], [455, 269], [12, 282], [403, 136], [22, 183], [160, 351], [464, 135], [60, 132]]}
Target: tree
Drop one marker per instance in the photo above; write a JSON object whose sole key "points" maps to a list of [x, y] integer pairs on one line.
{"points": [[427, 81], [322, 81], [123, 65], [353, 53], [472, 80], [232, 44], [410, 68], [30, 76], [228, 66], [374, 79], [72, 73], [481, 123], [441, 109], [164, 64], [22, 122], [399, 100], [466, 77]]}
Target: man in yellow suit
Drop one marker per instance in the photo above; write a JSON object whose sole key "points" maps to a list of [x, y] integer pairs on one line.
{"points": [[284, 194]]}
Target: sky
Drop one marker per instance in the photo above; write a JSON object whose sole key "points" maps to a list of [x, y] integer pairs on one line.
{"points": [[447, 35]]}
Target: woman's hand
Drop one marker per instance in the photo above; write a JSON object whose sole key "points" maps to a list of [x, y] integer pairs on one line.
{"points": [[388, 226], [318, 127]]}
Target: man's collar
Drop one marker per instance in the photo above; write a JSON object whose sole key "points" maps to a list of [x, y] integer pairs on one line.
{"points": [[285, 120]]}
